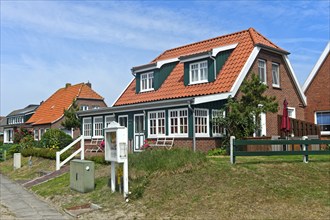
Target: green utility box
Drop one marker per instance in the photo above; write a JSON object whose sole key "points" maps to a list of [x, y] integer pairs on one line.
{"points": [[82, 175]]}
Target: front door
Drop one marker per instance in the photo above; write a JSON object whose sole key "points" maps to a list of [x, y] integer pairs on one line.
{"points": [[138, 131]]}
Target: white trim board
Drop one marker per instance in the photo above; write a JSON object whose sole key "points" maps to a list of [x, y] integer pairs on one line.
{"points": [[316, 67]]}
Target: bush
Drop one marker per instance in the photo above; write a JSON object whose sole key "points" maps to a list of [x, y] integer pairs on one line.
{"points": [[47, 153], [20, 134], [217, 152], [97, 159], [55, 138]]}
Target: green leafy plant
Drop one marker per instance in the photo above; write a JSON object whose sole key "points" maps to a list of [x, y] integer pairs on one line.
{"points": [[70, 117], [55, 138], [217, 152], [20, 134], [47, 153]]}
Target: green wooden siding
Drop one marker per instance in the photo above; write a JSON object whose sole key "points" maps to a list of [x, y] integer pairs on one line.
{"points": [[137, 83], [161, 74], [221, 59]]}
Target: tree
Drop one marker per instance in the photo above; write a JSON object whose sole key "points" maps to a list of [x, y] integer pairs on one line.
{"points": [[243, 114], [71, 120]]}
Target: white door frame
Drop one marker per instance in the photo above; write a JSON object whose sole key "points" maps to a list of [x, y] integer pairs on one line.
{"points": [[138, 137]]}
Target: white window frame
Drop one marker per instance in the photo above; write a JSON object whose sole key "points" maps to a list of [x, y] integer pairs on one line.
{"points": [[178, 117], [98, 127], [84, 107], [36, 134], [264, 67], [148, 82], [6, 137], [107, 122], [215, 127], [293, 112], [315, 118], [123, 116], [157, 124], [276, 74], [199, 72], [89, 127], [202, 122]]}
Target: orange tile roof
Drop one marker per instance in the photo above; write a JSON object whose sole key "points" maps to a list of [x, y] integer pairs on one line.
{"points": [[51, 110], [173, 87]]}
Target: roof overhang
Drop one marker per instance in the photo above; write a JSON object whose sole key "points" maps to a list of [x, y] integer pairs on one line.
{"points": [[137, 107], [272, 49], [152, 66]]}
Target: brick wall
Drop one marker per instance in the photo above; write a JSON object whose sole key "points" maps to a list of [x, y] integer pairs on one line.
{"points": [[286, 91], [318, 92]]}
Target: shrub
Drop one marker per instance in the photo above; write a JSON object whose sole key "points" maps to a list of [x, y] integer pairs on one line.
{"points": [[47, 153], [20, 134], [97, 159], [55, 138], [217, 152]]}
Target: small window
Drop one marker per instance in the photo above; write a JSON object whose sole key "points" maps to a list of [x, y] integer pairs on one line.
{"points": [[291, 112], [123, 120], [87, 127], [98, 126], [262, 71], [276, 75], [217, 130], [36, 135], [198, 72], [8, 136], [323, 119], [202, 122], [156, 123], [147, 82], [84, 107], [95, 107]]}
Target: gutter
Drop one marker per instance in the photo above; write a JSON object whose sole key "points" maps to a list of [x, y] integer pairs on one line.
{"points": [[194, 135], [214, 66]]}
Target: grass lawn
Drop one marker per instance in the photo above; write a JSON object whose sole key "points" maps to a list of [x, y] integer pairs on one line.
{"points": [[277, 187]]}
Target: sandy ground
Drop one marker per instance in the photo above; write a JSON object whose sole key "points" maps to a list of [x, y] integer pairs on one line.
{"points": [[5, 213]]}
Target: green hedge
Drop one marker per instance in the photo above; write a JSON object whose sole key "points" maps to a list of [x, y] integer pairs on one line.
{"points": [[47, 153]]}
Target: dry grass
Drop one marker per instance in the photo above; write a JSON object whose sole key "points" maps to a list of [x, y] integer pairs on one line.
{"points": [[254, 188]]}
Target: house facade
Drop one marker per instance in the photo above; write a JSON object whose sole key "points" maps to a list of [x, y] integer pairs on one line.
{"points": [[183, 89], [317, 91], [50, 114], [15, 120]]}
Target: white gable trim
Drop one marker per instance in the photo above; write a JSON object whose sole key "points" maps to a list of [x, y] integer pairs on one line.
{"points": [[316, 67], [217, 50], [211, 98], [245, 70], [162, 62], [123, 92], [296, 83]]}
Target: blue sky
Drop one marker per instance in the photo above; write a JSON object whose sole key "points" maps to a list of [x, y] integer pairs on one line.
{"points": [[45, 44]]}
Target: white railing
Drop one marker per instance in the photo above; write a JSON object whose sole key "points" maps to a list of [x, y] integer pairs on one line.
{"points": [[80, 150]]}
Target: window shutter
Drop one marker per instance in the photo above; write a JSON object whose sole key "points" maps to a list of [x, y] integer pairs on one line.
{"points": [[186, 74], [137, 83]]}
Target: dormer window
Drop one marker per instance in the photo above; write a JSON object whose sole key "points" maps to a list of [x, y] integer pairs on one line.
{"points": [[198, 72], [147, 81]]}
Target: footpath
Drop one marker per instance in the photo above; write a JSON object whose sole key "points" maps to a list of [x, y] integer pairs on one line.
{"points": [[22, 204]]}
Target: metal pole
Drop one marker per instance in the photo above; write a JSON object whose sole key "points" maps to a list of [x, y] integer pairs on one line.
{"points": [[113, 176], [232, 157], [125, 173], [82, 143]]}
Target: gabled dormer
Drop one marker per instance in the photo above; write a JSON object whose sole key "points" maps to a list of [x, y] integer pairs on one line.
{"points": [[204, 67], [150, 77]]}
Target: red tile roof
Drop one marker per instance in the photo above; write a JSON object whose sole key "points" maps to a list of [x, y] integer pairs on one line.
{"points": [[173, 87], [51, 110]]}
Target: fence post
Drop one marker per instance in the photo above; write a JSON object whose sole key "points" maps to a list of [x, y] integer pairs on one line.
{"points": [[232, 157], [58, 160], [305, 148], [82, 143]]}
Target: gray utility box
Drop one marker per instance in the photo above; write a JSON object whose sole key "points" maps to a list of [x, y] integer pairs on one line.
{"points": [[82, 175]]}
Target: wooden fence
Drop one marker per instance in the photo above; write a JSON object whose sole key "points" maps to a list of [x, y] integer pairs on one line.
{"points": [[303, 143], [299, 128]]}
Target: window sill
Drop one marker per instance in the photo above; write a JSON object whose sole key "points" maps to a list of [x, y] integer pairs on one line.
{"points": [[276, 87], [202, 135], [199, 82], [147, 90], [325, 132]]}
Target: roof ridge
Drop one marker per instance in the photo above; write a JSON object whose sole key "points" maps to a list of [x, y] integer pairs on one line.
{"points": [[199, 42], [252, 31]]}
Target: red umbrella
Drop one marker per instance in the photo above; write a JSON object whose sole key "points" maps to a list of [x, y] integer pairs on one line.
{"points": [[285, 125]]}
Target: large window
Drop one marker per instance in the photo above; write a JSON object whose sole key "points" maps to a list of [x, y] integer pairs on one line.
{"points": [[16, 120], [198, 72], [262, 71], [156, 123], [217, 130], [147, 81], [98, 126], [323, 119], [276, 75], [201, 122], [87, 127], [178, 122]]}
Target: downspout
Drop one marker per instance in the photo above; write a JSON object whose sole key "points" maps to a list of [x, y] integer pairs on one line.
{"points": [[214, 66], [193, 124]]}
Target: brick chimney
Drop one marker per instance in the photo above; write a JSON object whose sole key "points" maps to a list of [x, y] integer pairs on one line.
{"points": [[67, 85], [88, 84]]}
